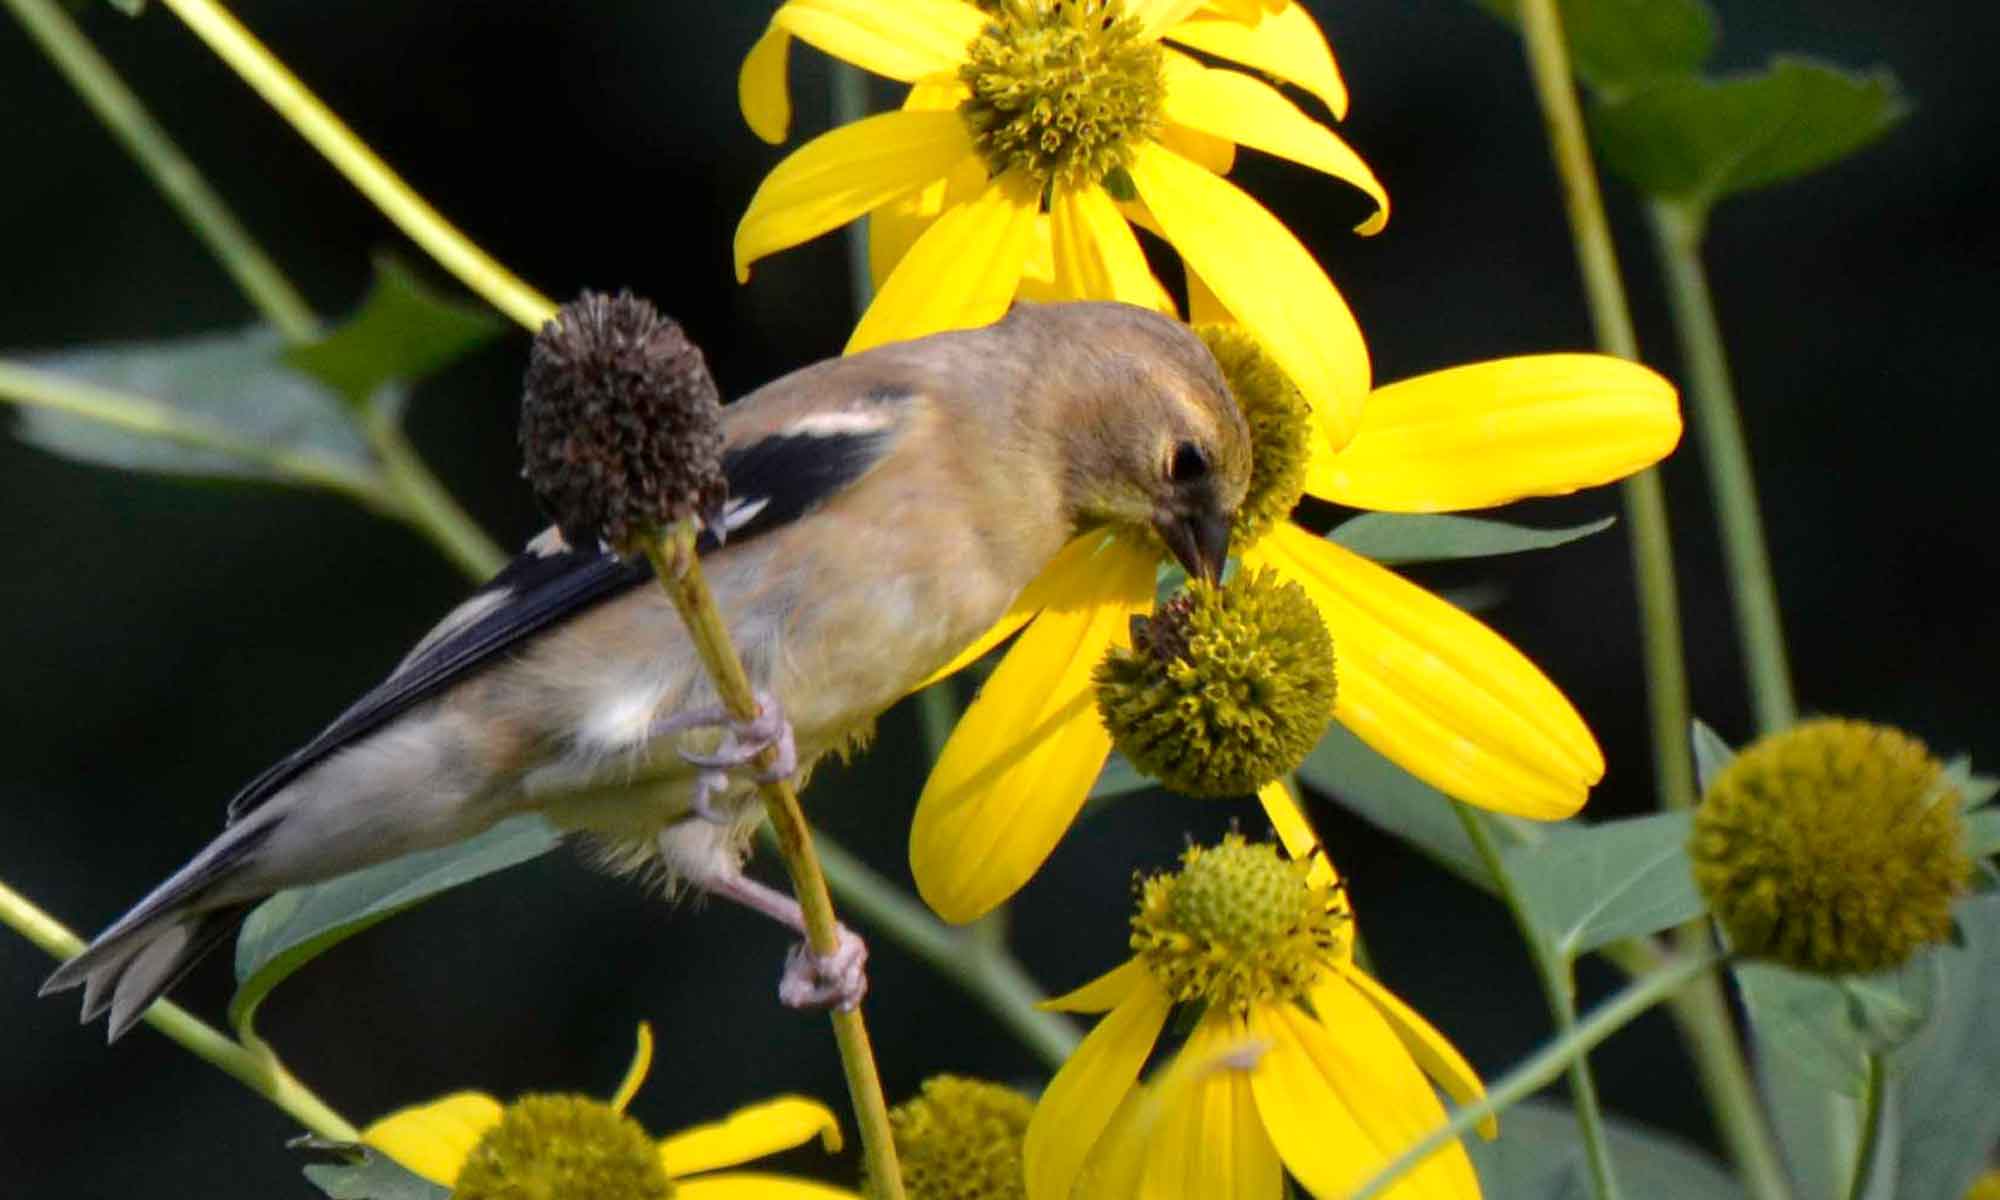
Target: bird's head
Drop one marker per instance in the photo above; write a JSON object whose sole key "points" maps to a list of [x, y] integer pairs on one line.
{"points": [[1150, 433]]}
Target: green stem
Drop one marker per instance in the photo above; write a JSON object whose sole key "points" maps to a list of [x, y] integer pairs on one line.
{"points": [[1678, 230], [1559, 986], [1645, 508], [848, 85], [258, 1069], [148, 417], [349, 155], [678, 570], [177, 178], [988, 974], [1548, 1063], [427, 507], [1873, 1113]]}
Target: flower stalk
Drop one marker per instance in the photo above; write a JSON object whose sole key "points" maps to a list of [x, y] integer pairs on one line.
{"points": [[1705, 1020], [678, 569], [178, 179], [1559, 987], [255, 1066], [1549, 1062], [349, 155], [1678, 230]]}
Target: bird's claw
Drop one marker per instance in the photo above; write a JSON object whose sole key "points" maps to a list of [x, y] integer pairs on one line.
{"points": [[837, 980], [742, 742]]}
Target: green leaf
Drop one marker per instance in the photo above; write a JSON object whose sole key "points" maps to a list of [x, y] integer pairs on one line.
{"points": [[1589, 885], [217, 406], [1621, 44], [403, 331], [1982, 833], [1390, 798], [372, 1175], [1946, 1109], [1398, 538], [1829, 1026], [1538, 1156], [294, 927], [130, 8], [1711, 753], [1694, 140]]}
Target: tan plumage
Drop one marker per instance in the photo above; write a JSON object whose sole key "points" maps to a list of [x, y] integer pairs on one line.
{"points": [[973, 458]]}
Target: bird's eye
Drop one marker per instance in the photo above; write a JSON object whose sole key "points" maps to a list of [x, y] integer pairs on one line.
{"points": [[1189, 463]]}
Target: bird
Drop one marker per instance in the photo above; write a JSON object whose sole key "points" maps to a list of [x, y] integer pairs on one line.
{"points": [[884, 510]]}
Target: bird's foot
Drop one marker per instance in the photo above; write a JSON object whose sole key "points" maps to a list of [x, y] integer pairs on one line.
{"points": [[836, 980], [742, 743]]}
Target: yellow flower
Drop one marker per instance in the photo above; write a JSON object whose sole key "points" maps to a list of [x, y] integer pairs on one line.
{"points": [[1428, 686], [1035, 133], [450, 1139], [1300, 1062]]}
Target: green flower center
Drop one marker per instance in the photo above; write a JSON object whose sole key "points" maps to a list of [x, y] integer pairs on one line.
{"points": [[1281, 426], [960, 1139], [1224, 689], [563, 1148], [1835, 846], [1061, 89], [1237, 925]]}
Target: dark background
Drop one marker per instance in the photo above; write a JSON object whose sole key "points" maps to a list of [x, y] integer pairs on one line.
{"points": [[163, 641]]}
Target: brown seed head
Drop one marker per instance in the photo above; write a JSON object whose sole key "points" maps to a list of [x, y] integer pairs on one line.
{"points": [[621, 423]]}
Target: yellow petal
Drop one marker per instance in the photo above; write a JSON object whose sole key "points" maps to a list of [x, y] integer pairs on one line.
{"points": [[1286, 44], [750, 1133], [1493, 432], [1265, 278], [902, 39], [762, 90], [1205, 309], [1157, 15], [837, 176], [434, 1139], [1209, 1142], [1295, 833], [1103, 993], [1096, 255], [1439, 1058], [1340, 1107], [1022, 759], [896, 226], [1212, 153], [747, 1186], [1238, 10], [961, 273], [1079, 1101], [1235, 107], [642, 1062], [1435, 691]]}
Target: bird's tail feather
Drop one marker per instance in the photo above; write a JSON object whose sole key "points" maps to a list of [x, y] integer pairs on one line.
{"points": [[150, 948]]}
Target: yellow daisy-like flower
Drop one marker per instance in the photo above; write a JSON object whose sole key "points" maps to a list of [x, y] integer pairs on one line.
{"points": [[1418, 679], [1036, 133], [471, 1143], [1307, 1065]]}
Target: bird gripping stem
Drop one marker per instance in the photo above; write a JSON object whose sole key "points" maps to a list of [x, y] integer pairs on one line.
{"points": [[678, 569]]}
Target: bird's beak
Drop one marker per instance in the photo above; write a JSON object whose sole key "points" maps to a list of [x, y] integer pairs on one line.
{"points": [[1199, 541]]}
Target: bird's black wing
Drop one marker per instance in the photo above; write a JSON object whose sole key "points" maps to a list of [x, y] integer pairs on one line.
{"points": [[772, 482]]}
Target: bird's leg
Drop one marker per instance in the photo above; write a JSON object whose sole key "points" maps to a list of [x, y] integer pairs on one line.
{"points": [[837, 980], [742, 741]]}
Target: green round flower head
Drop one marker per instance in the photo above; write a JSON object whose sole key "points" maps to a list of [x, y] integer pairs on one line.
{"points": [[1224, 689], [563, 1148], [1061, 89], [1281, 426], [960, 1139], [1238, 925], [1834, 847], [621, 423]]}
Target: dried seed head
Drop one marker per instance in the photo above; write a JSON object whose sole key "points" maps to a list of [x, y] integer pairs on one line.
{"points": [[621, 424]]}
